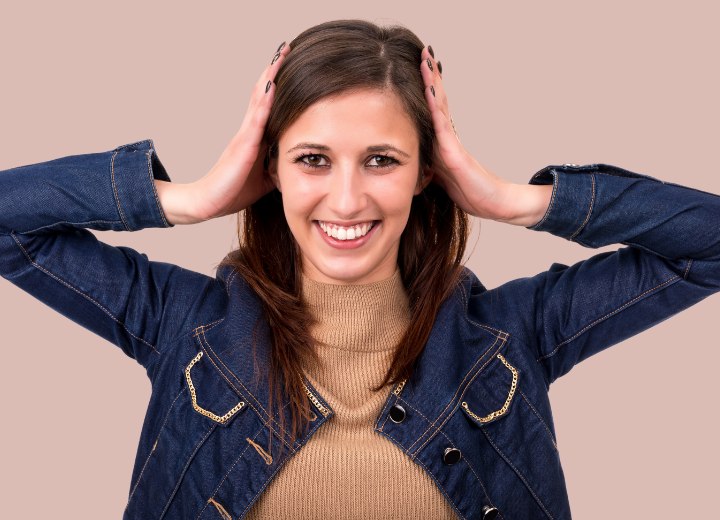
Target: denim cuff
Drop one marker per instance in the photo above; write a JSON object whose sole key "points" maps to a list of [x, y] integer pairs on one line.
{"points": [[571, 201], [133, 168]]}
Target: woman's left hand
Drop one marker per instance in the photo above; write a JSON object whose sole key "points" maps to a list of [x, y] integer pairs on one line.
{"points": [[473, 188]]}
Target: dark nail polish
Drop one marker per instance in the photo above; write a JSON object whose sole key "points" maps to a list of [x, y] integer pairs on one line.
{"points": [[275, 58], [439, 67], [283, 45], [267, 87], [431, 51], [432, 89], [429, 64]]}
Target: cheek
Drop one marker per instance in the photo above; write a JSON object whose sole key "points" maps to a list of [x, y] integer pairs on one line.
{"points": [[299, 198]]}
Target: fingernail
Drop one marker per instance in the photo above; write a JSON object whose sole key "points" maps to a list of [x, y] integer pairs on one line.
{"points": [[283, 45], [429, 64], [439, 67], [275, 58], [267, 87], [431, 51], [432, 89]]}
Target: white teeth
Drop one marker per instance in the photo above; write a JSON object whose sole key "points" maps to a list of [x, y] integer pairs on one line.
{"points": [[346, 233]]}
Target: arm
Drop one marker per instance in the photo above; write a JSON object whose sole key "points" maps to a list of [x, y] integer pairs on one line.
{"points": [[671, 262], [116, 292]]}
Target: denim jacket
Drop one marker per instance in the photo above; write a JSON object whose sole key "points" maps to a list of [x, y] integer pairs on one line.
{"points": [[475, 414]]}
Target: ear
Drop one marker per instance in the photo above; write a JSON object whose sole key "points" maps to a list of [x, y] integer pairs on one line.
{"points": [[425, 177], [271, 169]]}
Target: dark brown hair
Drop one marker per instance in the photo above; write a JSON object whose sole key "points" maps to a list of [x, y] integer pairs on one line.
{"points": [[331, 58]]}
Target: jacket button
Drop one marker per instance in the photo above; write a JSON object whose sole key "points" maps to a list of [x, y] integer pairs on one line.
{"points": [[397, 413], [451, 456], [489, 513]]}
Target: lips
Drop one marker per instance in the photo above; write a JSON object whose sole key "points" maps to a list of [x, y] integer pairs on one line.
{"points": [[339, 237], [351, 232]]}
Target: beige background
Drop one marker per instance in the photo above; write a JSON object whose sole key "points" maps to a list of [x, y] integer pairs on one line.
{"points": [[628, 83]]}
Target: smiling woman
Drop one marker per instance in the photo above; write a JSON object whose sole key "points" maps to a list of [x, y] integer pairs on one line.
{"points": [[343, 363]]}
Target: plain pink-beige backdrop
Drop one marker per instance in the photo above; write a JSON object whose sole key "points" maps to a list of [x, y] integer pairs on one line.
{"points": [[633, 84]]}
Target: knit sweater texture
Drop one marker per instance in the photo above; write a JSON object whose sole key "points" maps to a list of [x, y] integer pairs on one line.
{"points": [[346, 470]]}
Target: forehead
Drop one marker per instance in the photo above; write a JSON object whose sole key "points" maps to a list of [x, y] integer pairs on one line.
{"points": [[356, 116]]}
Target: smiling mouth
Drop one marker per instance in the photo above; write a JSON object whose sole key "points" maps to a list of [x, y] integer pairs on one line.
{"points": [[346, 232]]}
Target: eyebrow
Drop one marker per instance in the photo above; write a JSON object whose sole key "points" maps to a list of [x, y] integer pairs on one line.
{"points": [[375, 148]]}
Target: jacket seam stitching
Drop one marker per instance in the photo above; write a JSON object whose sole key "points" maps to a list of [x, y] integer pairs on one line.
{"points": [[555, 184], [157, 438], [547, 428], [590, 209], [203, 340], [217, 488], [603, 318], [452, 399], [148, 154], [519, 474], [115, 192], [100, 306], [459, 399], [185, 467]]}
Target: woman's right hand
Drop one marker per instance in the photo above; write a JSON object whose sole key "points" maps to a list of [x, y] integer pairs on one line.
{"points": [[238, 178]]}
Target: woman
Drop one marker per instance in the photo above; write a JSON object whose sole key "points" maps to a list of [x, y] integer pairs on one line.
{"points": [[347, 303]]}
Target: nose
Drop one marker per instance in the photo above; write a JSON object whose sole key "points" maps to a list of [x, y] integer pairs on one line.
{"points": [[346, 195]]}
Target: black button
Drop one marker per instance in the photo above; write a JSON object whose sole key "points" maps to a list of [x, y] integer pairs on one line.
{"points": [[397, 413], [451, 456], [489, 513]]}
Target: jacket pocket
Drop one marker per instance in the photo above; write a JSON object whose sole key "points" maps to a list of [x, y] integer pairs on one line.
{"points": [[209, 394], [491, 396]]}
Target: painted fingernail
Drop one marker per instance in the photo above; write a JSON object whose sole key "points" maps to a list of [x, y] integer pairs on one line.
{"points": [[275, 58], [429, 64], [432, 89], [267, 87], [439, 67], [431, 51], [283, 45]]}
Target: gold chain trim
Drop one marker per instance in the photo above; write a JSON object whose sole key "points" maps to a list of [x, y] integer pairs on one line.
{"points": [[399, 387], [203, 411], [501, 411], [314, 400]]}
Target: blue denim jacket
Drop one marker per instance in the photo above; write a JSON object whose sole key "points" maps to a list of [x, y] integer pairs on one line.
{"points": [[475, 415]]}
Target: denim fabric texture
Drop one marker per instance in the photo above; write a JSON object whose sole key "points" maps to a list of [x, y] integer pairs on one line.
{"points": [[478, 417]]}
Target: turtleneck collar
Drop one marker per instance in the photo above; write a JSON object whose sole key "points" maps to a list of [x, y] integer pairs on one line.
{"points": [[360, 317]]}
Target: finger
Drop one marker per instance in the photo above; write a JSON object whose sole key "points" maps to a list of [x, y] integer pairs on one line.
{"points": [[431, 76], [444, 128]]}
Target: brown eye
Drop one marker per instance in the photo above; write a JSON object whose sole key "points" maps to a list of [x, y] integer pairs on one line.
{"points": [[385, 161], [312, 162]]}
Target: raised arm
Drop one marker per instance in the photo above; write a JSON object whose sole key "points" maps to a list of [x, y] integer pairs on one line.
{"points": [[671, 260], [116, 292], [139, 305]]}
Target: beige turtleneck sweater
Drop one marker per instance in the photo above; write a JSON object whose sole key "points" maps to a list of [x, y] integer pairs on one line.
{"points": [[346, 469]]}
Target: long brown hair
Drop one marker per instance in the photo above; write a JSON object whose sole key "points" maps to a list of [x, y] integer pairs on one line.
{"points": [[328, 59]]}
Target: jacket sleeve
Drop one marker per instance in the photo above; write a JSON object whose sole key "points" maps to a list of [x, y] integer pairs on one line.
{"points": [[116, 292], [671, 261]]}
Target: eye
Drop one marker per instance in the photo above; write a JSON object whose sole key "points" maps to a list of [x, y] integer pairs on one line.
{"points": [[312, 163], [385, 161]]}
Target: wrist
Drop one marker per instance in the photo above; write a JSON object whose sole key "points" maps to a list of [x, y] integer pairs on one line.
{"points": [[176, 200], [524, 204]]}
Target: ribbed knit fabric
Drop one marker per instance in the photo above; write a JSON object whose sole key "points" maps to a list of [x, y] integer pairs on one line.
{"points": [[347, 470]]}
